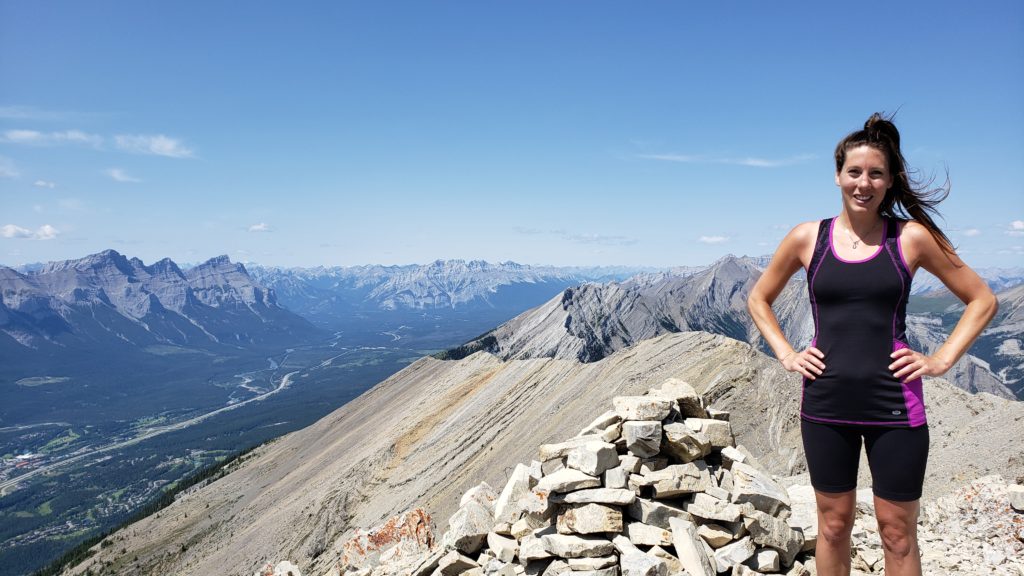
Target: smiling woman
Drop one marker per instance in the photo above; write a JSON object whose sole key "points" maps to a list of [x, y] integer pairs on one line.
{"points": [[861, 379]]}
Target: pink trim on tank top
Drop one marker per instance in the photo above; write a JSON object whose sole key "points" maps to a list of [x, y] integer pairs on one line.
{"points": [[832, 248], [832, 421], [899, 248]]}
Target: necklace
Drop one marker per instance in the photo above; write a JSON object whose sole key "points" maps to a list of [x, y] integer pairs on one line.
{"points": [[856, 242]]}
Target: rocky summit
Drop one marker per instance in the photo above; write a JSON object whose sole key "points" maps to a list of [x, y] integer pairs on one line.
{"points": [[675, 496]]}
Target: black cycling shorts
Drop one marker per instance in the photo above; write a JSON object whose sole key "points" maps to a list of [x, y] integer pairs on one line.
{"points": [[897, 457]]}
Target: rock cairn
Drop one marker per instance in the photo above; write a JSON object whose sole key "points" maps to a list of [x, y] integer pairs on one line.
{"points": [[652, 488]]}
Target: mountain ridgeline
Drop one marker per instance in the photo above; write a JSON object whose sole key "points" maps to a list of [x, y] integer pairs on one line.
{"points": [[591, 321]]}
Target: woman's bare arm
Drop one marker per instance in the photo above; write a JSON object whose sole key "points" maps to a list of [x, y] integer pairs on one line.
{"points": [[965, 283], [792, 254]]}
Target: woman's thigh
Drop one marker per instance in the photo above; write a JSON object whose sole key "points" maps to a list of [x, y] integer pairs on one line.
{"points": [[833, 453], [898, 457]]}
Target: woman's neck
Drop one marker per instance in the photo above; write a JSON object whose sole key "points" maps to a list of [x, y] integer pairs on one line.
{"points": [[862, 223]]}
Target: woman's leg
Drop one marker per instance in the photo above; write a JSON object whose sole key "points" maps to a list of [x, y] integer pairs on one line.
{"points": [[833, 453], [898, 457], [897, 525], [835, 523]]}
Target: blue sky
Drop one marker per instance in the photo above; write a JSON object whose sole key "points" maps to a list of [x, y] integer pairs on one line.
{"points": [[565, 133]]}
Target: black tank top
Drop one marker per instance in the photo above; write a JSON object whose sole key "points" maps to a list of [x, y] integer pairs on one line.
{"points": [[860, 311]]}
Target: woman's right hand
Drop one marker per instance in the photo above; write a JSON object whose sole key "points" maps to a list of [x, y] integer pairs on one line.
{"points": [[807, 362]]}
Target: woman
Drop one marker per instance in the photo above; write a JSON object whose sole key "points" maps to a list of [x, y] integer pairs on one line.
{"points": [[860, 379]]}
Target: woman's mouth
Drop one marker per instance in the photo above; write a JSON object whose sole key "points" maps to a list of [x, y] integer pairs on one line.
{"points": [[863, 199]]}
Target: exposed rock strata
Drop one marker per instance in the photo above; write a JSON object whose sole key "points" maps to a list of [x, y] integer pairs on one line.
{"points": [[451, 425]]}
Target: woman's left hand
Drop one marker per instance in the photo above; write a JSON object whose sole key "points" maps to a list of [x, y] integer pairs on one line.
{"points": [[910, 365]]}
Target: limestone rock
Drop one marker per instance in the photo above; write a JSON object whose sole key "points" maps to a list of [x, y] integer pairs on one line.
{"points": [[752, 485], [602, 422], [552, 451], [730, 455], [1016, 494], [715, 535], [743, 570], [719, 432], [735, 553], [468, 527], [690, 549], [646, 535], [568, 480], [680, 479], [573, 546], [593, 458], [531, 548], [673, 563], [595, 563], [629, 463], [655, 513], [408, 533], [770, 531], [616, 496], [764, 560], [641, 407], [710, 508], [689, 402], [504, 549], [482, 493], [589, 519], [453, 563], [616, 478], [643, 438], [640, 564], [506, 508], [717, 414], [685, 444]]}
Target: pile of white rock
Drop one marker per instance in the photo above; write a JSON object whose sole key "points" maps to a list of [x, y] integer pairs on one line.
{"points": [[652, 488]]}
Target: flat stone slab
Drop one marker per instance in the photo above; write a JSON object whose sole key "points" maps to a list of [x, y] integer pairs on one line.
{"points": [[552, 451], [684, 395], [751, 485], [690, 548], [733, 554], [655, 513], [616, 496], [506, 507], [468, 527], [593, 458], [595, 563], [642, 407], [640, 564], [710, 508], [589, 519], [567, 480], [647, 535], [573, 546], [680, 479]]}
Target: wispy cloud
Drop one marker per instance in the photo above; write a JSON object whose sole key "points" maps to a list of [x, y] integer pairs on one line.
{"points": [[582, 238], [44, 232], [37, 138], [34, 113], [7, 168], [44, 184], [603, 239], [120, 175], [713, 239], [745, 161], [1016, 228], [261, 227], [157, 144], [971, 232]]}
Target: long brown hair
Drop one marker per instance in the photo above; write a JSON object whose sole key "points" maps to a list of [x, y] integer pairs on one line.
{"points": [[908, 197]]}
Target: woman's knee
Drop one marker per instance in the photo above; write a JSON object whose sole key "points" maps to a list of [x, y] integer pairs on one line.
{"points": [[835, 516], [897, 526]]}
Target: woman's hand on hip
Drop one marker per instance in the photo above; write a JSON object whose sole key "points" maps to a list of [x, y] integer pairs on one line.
{"points": [[807, 362], [909, 365]]}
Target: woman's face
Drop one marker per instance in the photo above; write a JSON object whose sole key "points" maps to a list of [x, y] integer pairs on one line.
{"points": [[864, 179]]}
